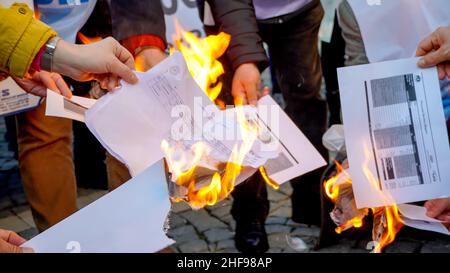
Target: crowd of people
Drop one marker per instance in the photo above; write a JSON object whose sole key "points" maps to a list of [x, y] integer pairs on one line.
{"points": [[36, 52]]}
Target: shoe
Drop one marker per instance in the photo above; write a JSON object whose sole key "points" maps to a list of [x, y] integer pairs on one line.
{"points": [[251, 238]]}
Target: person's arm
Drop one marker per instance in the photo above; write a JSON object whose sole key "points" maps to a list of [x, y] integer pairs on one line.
{"points": [[24, 40], [21, 39], [237, 18], [140, 26], [245, 52]]}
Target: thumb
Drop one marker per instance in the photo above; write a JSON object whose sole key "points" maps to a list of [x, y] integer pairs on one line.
{"points": [[433, 58], [123, 71]]}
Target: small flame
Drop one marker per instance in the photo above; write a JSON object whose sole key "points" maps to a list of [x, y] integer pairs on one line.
{"points": [[332, 185], [88, 40], [37, 15], [390, 218]]}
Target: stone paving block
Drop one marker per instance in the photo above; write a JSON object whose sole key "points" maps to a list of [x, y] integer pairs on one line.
{"points": [[313, 231], [286, 188], [435, 247], [294, 224], [221, 211], [180, 207], [282, 212], [29, 233], [275, 195], [276, 220], [277, 240], [228, 250], [5, 213], [183, 234], [270, 229], [275, 250], [20, 209], [27, 217], [197, 246], [400, 246], [83, 201], [223, 203], [224, 244], [218, 234], [5, 203], [176, 221], [14, 223], [202, 220]]}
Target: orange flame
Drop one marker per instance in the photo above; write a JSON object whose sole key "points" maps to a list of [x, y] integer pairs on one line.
{"points": [[88, 40], [390, 218], [201, 57]]}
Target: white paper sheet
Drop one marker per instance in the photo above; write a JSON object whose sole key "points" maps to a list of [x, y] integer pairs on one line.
{"points": [[132, 122], [395, 128], [75, 108], [129, 219], [392, 29], [14, 100], [415, 217]]}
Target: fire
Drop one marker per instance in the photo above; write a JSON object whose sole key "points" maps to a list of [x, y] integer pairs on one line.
{"points": [[201, 56], [88, 40], [387, 221], [391, 221]]}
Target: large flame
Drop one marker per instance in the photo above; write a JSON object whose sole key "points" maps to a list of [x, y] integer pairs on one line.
{"points": [[201, 56], [390, 219]]}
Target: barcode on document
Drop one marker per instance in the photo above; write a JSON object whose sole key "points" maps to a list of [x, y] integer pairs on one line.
{"points": [[393, 90]]}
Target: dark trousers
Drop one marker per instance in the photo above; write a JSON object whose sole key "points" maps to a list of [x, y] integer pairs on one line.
{"points": [[293, 47], [333, 57]]}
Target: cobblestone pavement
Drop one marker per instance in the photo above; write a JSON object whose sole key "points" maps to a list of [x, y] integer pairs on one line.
{"points": [[210, 229]]}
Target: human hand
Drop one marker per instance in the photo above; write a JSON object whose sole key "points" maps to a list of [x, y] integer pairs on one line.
{"points": [[246, 85], [435, 50], [10, 243], [439, 209], [148, 57], [105, 61], [39, 82]]}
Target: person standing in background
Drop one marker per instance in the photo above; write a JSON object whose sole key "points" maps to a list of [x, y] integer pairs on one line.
{"points": [[290, 29], [50, 184]]}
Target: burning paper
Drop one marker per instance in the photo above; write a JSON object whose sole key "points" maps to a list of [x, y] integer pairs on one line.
{"points": [[395, 133], [140, 124]]}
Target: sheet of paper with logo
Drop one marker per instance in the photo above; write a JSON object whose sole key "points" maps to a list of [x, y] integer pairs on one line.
{"points": [[128, 220], [395, 132], [132, 122], [14, 100]]}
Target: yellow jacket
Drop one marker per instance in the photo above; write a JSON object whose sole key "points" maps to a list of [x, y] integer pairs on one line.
{"points": [[21, 38]]}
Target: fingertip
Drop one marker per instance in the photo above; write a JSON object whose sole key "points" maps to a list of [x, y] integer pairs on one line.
{"points": [[422, 63], [27, 250]]}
